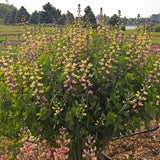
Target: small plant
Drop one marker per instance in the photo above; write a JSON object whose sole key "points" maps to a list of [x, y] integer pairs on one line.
{"points": [[5, 150], [89, 152], [62, 151], [32, 147]]}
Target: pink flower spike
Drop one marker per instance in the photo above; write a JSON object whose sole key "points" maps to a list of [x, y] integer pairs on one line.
{"points": [[90, 92], [65, 85], [66, 149], [48, 154]]}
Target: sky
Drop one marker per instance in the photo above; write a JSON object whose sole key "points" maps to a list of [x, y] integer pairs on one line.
{"points": [[129, 8]]}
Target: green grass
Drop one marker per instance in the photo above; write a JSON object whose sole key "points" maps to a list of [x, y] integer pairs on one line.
{"points": [[11, 29], [13, 38], [10, 33], [155, 37]]}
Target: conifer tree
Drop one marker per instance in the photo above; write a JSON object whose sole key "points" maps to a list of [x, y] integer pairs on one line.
{"points": [[22, 15], [12, 17], [89, 15], [34, 18]]}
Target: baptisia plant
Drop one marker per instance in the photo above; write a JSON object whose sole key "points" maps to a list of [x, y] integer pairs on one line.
{"points": [[95, 82]]}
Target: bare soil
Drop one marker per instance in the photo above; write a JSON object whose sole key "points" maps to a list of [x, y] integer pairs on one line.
{"points": [[144, 146]]}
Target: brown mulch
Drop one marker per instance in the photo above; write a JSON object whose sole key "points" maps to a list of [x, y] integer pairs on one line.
{"points": [[144, 146]]}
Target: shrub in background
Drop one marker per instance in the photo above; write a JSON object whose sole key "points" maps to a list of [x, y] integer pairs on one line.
{"points": [[156, 28]]}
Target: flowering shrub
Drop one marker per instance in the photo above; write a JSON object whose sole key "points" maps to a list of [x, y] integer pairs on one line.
{"points": [[92, 82], [32, 147]]}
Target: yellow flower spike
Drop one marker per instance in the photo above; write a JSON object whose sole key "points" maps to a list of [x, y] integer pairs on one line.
{"points": [[107, 72], [40, 84], [31, 78], [102, 60], [145, 92], [84, 114], [90, 65], [32, 85], [39, 78], [24, 77], [84, 61]]}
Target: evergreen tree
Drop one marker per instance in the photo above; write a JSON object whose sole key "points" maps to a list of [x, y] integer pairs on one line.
{"points": [[12, 17], [4, 9], [124, 21], [113, 20], [69, 17], [49, 14], [61, 19], [6, 20], [89, 15], [34, 18], [22, 15]]}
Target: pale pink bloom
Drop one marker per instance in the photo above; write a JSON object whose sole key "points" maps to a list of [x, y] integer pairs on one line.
{"points": [[75, 89], [90, 84], [90, 92], [73, 81], [65, 85], [48, 154], [83, 84], [66, 149], [41, 91]]}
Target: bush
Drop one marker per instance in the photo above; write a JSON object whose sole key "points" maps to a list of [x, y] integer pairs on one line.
{"points": [[92, 82], [156, 28], [123, 28]]}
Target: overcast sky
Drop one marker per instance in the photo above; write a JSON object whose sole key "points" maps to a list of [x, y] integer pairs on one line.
{"points": [[129, 8]]}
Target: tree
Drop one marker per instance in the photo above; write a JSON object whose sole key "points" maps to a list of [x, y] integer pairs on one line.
{"points": [[69, 17], [49, 14], [22, 15], [113, 20], [6, 20], [12, 16], [89, 15], [61, 19], [124, 21], [34, 18], [4, 9]]}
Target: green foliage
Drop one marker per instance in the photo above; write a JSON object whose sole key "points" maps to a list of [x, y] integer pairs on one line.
{"points": [[34, 18], [156, 28], [89, 16], [114, 20], [155, 18], [92, 82], [69, 17], [11, 17], [51, 15], [22, 15], [4, 9], [123, 28]]}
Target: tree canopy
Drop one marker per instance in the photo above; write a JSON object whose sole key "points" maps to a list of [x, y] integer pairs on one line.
{"points": [[89, 15], [22, 15]]}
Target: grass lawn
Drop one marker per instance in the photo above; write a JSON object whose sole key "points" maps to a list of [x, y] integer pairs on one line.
{"points": [[11, 29]]}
